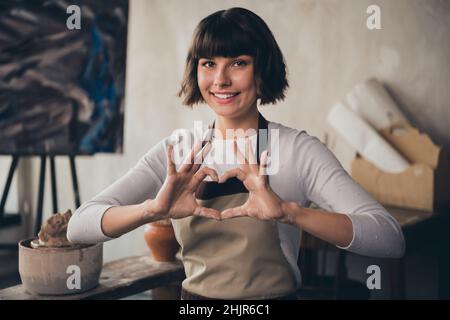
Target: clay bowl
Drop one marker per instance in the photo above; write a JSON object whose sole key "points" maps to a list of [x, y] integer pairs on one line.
{"points": [[59, 271]]}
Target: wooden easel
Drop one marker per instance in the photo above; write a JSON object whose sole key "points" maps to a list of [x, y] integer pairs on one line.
{"points": [[11, 219]]}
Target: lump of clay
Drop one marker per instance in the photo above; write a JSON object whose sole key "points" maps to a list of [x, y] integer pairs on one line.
{"points": [[54, 231]]}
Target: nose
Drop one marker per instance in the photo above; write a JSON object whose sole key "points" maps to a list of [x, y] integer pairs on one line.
{"points": [[222, 78]]}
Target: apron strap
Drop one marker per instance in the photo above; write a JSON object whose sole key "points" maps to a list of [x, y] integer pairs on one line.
{"points": [[262, 135]]}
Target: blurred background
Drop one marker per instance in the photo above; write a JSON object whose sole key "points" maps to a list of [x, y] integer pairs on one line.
{"points": [[328, 49]]}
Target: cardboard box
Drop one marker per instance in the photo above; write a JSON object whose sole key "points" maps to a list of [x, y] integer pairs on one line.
{"points": [[424, 185]]}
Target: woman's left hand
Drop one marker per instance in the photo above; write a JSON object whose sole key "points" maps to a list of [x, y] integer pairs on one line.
{"points": [[263, 202]]}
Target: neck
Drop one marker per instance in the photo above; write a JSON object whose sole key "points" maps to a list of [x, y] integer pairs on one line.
{"points": [[239, 125]]}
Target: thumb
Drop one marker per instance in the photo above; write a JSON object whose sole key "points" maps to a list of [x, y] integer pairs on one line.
{"points": [[207, 213], [232, 213]]}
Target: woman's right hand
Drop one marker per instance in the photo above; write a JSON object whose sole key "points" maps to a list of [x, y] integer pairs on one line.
{"points": [[176, 198]]}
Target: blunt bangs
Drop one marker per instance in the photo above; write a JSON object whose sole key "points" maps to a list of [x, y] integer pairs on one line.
{"points": [[219, 36]]}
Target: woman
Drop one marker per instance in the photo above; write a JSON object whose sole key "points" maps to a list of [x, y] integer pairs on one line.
{"points": [[239, 222]]}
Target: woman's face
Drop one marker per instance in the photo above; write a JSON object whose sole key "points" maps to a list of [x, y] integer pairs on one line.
{"points": [[228, 84]]}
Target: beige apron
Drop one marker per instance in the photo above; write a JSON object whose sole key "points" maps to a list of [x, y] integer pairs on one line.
{"points": [[239, 258]]}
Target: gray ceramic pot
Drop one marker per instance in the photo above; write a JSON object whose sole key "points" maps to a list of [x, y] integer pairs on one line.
{"points": [[59, 271]]}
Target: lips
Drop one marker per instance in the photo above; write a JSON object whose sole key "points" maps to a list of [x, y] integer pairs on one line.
{"points": [[224, 97]]}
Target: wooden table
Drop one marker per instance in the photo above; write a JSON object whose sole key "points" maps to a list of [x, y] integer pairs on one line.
{"points": [[119, 279]]}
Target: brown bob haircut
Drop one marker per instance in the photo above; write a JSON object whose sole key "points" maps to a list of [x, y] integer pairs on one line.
{"points": [[231, 33]]}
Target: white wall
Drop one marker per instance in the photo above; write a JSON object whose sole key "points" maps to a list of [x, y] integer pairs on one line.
{"points": [[328, 50]]}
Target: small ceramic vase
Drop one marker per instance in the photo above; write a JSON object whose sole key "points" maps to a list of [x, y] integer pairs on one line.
{"points": [[160, 238]]}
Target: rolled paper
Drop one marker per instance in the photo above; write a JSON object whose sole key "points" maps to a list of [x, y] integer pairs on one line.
{"points": [[374, 105], [365, 139]]}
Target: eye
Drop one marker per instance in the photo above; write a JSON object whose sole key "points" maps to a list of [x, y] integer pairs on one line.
{"points": [[208, 64], [240, 63]]}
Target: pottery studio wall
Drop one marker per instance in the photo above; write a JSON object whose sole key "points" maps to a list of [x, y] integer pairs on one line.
{"points": [[328, 49]]}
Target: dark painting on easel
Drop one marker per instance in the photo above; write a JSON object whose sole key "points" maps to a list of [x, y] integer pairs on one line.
{"points": [[62, 89]]}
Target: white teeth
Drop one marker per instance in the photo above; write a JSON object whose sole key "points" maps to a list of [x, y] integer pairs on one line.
{"points": [[224, 96]]}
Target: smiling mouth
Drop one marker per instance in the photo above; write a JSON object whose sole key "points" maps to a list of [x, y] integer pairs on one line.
{"points": [[225, 96]]}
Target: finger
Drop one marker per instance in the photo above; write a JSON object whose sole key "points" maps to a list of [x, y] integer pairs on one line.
{"points": [[249, 150], [240, 157], [171, 169], [200, 157], [236, 172], [188, 162], [202, 173], [233, 213], [207, 213], [263, 163]]}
